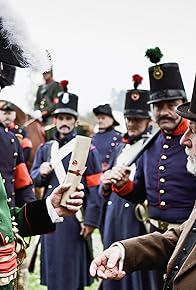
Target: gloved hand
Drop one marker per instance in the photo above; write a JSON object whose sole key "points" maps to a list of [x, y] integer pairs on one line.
{"points": [[37, 115]]}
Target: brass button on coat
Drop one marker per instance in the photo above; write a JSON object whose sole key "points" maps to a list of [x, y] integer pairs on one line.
{"points": [[162, 203], [163, 157], [161, 167]]}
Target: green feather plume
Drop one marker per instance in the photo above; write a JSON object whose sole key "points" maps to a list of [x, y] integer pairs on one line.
{"points": [[154, 54]]}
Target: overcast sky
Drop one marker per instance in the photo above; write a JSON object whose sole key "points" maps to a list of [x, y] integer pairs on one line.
{"points": [[99, 44]]}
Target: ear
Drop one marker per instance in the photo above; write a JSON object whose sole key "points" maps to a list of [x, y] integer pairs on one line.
{"points": [[77, 123]]}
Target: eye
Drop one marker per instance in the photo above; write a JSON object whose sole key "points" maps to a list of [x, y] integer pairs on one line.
{"points": [[192, 131]]}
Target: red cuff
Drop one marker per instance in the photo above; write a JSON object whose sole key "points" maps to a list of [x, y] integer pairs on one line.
{"points": [[127, 188]]}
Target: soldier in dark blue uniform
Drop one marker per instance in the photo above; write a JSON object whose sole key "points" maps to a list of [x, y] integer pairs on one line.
{"points": [[107, 136], [120, 219], [10, 120], [65, 254], [105, 140], [161, 174], [15, 175]]}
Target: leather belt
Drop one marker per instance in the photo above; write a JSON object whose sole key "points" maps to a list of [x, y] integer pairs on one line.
{"points": [[162, 225]]}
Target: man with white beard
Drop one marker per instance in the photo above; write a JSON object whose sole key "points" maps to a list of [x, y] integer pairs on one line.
{"points": [[175, 248]]}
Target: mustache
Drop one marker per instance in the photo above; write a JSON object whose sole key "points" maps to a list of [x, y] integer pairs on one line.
{"points": [[165, 118], [133, 128], [64, 126], [187, 151]]}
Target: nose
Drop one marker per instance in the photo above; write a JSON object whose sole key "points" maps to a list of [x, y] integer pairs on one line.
{"points": [[163, 110], [186, 139]]}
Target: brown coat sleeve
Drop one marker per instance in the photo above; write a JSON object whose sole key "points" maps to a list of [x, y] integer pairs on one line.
{"points": [[150, 251]]}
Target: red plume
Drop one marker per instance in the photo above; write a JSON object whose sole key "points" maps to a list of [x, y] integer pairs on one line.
{"points": [[64, 83], [137, 79]]}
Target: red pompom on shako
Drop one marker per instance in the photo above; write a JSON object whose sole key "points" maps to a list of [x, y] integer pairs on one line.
{"points": [[137, 79]]}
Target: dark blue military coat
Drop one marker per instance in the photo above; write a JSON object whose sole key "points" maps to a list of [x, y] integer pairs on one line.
{"points": [[105, 143], [23, 139], [64, 254], [161, 177]]}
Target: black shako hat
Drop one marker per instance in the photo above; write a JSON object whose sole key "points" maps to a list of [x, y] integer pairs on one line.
{"points": [[136, 105], [188, 110], [68, 104], [165, 79], [7, 106], [105, 110]]}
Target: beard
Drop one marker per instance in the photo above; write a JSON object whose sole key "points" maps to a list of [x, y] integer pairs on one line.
{"points": [[191, 162]]}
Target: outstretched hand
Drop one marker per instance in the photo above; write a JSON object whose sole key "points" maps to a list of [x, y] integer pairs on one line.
{"points": [[73, 204], [107, 266]]}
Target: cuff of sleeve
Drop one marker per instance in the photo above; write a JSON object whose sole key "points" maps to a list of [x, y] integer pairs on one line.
{"points": [[127, 188], [122, 249], [52, 213]]}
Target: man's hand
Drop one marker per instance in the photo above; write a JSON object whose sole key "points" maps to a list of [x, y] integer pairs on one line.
{"points": [[106, 266], [73, 204], [86, 231], [106, 181], [119, 175], [45, 169]]}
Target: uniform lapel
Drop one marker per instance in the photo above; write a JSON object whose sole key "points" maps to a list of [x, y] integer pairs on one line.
{"points": [[186, 228]]}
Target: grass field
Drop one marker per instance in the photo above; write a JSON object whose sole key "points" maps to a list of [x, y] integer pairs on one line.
{"points": [[34, 278]]}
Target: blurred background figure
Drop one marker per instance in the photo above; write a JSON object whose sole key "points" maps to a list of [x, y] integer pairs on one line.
{"points": [[107, 136], [47, 97], [84, 128], [11, 117]]}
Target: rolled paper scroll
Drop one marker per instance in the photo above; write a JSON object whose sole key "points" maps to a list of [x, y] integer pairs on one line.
{"points": [[77, 165]]}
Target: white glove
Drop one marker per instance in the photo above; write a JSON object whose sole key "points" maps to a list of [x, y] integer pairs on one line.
{"points": [[37, 115]]}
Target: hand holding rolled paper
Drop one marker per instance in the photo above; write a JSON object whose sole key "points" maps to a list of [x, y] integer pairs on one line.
{"points": [[77, 165]]}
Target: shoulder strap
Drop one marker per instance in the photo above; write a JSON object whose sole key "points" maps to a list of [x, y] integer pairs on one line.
{"points": [[57, 155]]}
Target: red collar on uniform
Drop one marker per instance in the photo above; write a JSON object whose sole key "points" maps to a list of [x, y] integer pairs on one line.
{"points": [[12, 126], [125, 140], [182, 127]]}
